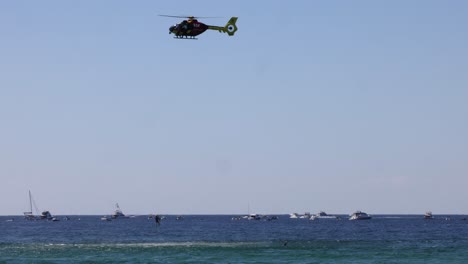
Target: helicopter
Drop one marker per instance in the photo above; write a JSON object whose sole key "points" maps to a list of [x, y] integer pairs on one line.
{"points": [[190, 28]]}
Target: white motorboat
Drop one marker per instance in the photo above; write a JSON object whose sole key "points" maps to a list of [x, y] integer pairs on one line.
{"points": [[358, 215], [322, 215], [294, 215], [428, 215], [254, 217]]}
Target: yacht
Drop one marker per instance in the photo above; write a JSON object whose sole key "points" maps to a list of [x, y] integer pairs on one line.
{"points": [[322, 215], [117, 213], [254, 217], [428, 215], [358, 215]]}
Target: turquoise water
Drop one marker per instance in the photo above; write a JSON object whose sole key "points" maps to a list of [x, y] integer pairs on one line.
{"points": [[218, 239]]}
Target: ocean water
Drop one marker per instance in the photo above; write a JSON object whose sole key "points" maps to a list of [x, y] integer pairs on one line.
{"points": [[218, 239]]}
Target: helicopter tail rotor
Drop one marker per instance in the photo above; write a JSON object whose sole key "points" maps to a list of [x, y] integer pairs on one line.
{"points": [[231, 27]]}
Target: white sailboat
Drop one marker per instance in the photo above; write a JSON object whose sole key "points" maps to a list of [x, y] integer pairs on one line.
{"points": [[29, 215], [117, 213]]}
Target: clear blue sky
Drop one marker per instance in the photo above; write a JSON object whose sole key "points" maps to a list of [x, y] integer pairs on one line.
{"points": [[312, 105]]}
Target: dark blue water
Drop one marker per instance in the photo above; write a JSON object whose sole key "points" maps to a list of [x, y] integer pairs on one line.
{"points": [[218, 239]]}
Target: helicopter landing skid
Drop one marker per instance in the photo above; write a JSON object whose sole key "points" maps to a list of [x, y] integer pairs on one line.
{"points": [[194, 38]]}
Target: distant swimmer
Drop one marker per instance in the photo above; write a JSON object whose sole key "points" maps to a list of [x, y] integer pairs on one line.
{"points": [[157, 219]]}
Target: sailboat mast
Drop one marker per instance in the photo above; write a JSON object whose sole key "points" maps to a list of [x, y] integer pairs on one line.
{"points": [[30, 202]]}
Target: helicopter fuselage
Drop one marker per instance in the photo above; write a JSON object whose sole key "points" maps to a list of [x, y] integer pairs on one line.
{"points": [[188, 28]]}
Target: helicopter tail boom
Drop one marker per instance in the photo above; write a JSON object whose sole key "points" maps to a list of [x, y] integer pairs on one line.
{"points": [[230, 27]]}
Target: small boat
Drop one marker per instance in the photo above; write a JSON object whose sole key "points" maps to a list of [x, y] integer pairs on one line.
{"points": [[254, 217], [428, 215], [54, 219], [305, 215], [322, 215], [118, 212], [179, 217], [105, 218], [358, 215], [46, 215], [294, 215]]}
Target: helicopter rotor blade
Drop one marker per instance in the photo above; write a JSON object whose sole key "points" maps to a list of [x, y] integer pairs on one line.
{"points": [[174, 16], [208, 17], [190, 17]]}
